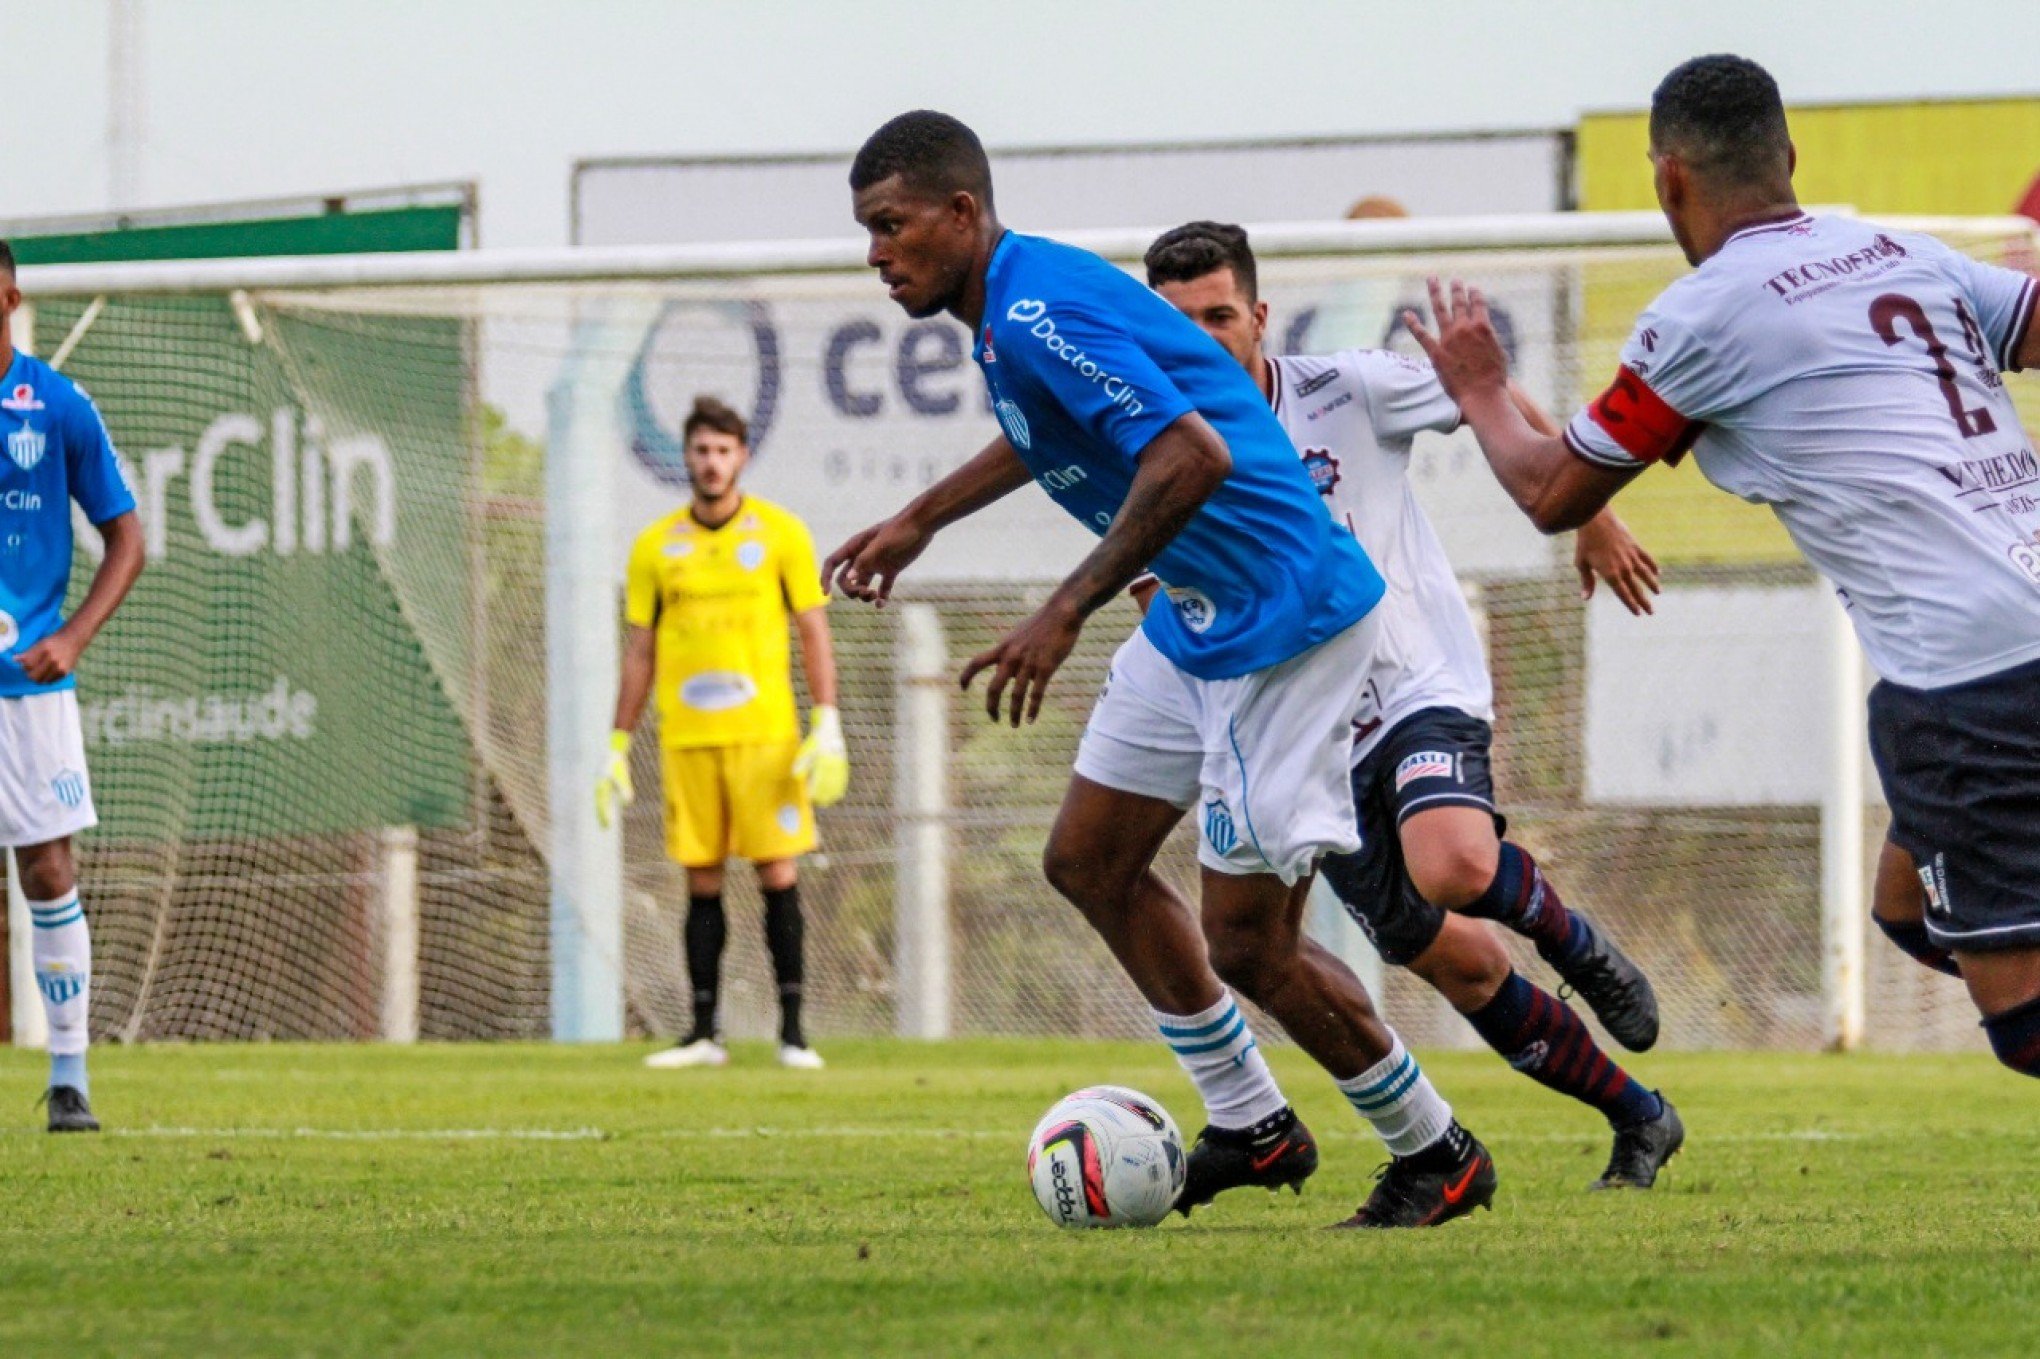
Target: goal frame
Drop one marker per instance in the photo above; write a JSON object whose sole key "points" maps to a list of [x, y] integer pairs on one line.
{"points": [[586, 861]]}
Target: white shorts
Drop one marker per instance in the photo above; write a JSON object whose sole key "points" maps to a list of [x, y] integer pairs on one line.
{"points": [[1265, 756], [45, 793]]}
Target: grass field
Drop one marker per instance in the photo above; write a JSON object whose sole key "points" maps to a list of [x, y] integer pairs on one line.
{"points": [[554, 1201]]}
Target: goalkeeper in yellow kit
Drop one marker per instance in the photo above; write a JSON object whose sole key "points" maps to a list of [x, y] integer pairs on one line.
{"points": [[708, 594]]}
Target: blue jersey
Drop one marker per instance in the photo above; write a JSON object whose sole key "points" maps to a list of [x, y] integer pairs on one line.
{"points": [[1086, 366], [57, 451]]}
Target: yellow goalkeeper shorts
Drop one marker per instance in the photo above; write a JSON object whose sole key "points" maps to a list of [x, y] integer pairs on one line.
{"points": [[736, 802]]}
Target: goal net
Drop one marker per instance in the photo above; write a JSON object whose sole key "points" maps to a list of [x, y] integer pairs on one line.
{"points": [[333, 741]]}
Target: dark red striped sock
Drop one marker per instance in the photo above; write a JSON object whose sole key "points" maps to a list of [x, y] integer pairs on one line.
{"points": [[1523, 899], [1540, 1036]]}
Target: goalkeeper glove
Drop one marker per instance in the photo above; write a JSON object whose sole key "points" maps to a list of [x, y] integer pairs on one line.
{"points": [[613, 790], [824, 761]]}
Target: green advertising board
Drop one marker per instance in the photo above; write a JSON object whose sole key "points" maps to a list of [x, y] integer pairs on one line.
{"points": [[290, 662]]}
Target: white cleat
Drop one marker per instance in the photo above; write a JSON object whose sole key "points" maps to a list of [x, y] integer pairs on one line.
{"points": [[701, 1052], [800, 1059]]}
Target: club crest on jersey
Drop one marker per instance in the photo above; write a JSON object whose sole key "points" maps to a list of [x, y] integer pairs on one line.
{"points": [[69, 787], [1323, 469], [1014, 422], [26, 447], [1425, 764], [22, 398], [10, 631], [1219, 831], [990, 357]]}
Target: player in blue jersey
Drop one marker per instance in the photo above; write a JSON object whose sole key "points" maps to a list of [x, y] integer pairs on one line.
{"points": [[1231, 700], [57, 451]]}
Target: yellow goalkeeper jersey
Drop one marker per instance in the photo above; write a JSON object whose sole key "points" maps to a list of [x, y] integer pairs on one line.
{"points": [[719, 601]]}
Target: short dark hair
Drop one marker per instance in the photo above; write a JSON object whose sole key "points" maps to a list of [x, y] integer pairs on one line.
{"points": [[933, 153], [711, 414], [1724, 115], [6, 257], [1195, 249]]}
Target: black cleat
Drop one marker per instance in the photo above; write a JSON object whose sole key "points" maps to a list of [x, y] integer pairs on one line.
{"points": [[1224, 1158], [1641, 1150], [1406, 1195], [1613, 987], [70, 1111]]}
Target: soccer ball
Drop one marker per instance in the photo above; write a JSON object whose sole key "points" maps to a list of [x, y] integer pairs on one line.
{"points": [[1106, 1156]]}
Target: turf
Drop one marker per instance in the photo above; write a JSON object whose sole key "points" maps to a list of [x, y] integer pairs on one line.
{"points": [[554, 1200]]}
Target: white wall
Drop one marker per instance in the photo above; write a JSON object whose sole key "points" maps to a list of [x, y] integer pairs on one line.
{"points": [[248, 98]]}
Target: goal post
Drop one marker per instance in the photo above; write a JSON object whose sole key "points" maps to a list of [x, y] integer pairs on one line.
{"points": [[345, 734]]}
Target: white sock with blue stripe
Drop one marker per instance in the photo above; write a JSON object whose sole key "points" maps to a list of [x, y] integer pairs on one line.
{"points": [[1218, 1052], [62, 953], [1400, 1101]]}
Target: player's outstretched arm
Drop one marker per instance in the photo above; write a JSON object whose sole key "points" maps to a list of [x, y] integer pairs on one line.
{"points": [[1557, 490], [869, 562], [56, 656], [1604, 548], [1179, 469]]}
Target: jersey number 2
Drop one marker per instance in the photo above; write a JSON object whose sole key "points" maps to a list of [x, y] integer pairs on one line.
{"points": [[1885, 314]]}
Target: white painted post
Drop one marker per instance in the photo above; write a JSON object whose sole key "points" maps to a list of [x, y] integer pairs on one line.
{"points": [[581, 632], [397, 854], [31, 1025], [921, 812], [1843, 904]]}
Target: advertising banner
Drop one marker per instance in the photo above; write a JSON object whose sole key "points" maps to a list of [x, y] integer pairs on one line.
{"points": [[267, 676]]}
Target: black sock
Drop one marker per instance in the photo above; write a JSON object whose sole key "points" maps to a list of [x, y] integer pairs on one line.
{"points": [[1267, 1132], [2015, 1037], [783, 937], [1911, 938], [1447, 1153], [707, 928]]}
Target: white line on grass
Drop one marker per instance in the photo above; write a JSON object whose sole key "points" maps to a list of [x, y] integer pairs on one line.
{"points": [[1353, 1134], [379, 1134], [809, 1134]]}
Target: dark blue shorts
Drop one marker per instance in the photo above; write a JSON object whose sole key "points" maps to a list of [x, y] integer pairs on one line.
{"points": [[1961, 770], [1435, 757]]}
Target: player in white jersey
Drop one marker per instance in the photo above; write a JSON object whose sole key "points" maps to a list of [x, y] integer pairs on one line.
{"points": [[1850, 378], [1432, 851], [57, 453]]}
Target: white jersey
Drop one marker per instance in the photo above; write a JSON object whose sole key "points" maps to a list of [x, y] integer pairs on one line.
{"points": [[1352, 416], [1848, 377]]}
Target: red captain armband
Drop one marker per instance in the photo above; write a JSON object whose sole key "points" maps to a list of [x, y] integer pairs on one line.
{"points": [[1637, 418]]}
